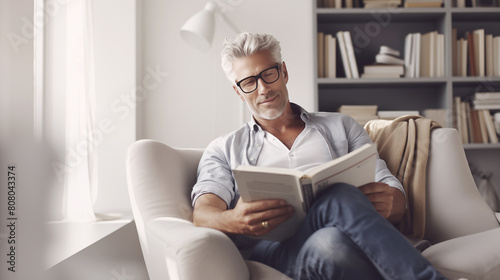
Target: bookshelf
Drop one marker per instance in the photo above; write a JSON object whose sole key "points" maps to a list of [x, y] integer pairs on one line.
{"points": [[371, 28]]}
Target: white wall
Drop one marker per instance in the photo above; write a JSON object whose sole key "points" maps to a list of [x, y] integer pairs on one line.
{"points": [[184, 98], [115, 56], [115, 67], [196, 102], [16, 69]]}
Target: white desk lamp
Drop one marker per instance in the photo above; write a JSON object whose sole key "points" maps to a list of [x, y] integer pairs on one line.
{"points": [[198, 32]]}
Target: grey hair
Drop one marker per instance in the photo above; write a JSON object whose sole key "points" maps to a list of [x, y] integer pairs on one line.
{"points": [[245, 45]]}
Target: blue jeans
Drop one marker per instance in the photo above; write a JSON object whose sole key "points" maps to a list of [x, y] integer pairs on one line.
{"points": [[343, 237]]}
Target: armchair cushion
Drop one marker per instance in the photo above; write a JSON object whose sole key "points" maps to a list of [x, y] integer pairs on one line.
{"points": [[473, 256], [200, 253]]}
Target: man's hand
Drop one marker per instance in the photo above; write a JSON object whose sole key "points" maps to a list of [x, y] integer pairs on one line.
{"points": [[389, 202], [250, 218], [259, 217]]}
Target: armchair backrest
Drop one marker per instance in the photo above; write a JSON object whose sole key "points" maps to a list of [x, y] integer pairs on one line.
{"points": [[150, 166], [454, 206]]}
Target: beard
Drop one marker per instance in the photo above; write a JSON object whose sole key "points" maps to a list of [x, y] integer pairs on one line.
{"points": [[271, 113]]}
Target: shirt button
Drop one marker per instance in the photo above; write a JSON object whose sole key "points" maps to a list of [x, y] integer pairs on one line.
{"points": [[291, 154]]}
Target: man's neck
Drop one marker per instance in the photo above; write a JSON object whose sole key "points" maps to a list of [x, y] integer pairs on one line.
{"points": [[286, 127], [289, 119]]}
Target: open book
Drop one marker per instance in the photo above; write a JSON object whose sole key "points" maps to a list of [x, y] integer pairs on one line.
{"points": [[300, 189]]}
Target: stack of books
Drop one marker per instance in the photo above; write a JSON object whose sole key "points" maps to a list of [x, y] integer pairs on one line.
{"points": [[487, 101], [476, 54], [361, 113], [375, 4], [387, 65], [474, 125], [423, 3]]}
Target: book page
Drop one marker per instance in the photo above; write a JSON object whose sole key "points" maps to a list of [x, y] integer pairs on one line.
{"points": [[356, 168], [257, 185]]}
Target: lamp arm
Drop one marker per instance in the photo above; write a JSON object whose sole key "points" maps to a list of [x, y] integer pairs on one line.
{"points": [[226, 20]]}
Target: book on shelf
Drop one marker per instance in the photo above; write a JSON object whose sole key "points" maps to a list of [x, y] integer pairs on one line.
{"points": [[350, 54], [377, 4], [416, 39], [471, 53], [299, 189], [423, 3], [496, 56], [383, 70], [490, 127], [454, 51], [473, 124], [330, 56], [476, 127], [392, 114], [381, 75], [461, 57], [412, 55], [388, 51], [327, 57], [347, 54], [361, 113], [388, 59], [477, 54], [496, 120], [487, 100], [432, 54], [478, 40], [321, 54], [459, 121], [338, 4], [488, 54], [408, 58], [387, 64]]}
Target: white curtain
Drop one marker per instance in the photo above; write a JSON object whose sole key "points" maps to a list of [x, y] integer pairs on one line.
{"points": [[80, 182]]}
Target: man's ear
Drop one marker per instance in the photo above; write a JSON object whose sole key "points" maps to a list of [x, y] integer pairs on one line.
{"points": [[238, 93], [285, 72]]}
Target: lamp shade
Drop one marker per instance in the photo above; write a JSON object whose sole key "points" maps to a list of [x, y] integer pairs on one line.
{"points": [[198, 31]]}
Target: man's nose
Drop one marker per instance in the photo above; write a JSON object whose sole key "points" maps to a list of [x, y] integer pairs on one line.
{"points": [[262, 87]]}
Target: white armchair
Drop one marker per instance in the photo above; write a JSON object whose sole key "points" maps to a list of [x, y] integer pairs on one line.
{"points": [[463, 228], [159, 181]]}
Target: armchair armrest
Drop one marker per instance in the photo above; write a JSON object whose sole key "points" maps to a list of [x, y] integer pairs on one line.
{"points": [[211, 252], [475, 256]]}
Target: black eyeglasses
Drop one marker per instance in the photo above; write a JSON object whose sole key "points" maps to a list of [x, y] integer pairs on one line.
{"points": [[269, 76]]}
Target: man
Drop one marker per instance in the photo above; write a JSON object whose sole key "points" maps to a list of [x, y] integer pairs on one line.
{"points": [[347, 234]]}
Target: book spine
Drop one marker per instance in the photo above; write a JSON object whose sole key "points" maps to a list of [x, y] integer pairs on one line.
{"points": [[350, 54], [307, 193], [472, 54], [343, 54]]}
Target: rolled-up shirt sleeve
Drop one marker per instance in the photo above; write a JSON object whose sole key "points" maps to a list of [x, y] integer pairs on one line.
{"points": [[358, 137], [214, 175]]}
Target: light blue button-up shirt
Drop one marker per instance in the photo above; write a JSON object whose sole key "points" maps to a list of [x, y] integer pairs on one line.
{"points": [[341, 133]]}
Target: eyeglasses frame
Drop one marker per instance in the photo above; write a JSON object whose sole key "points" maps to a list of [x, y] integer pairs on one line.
{"points": [[259, 76]]}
